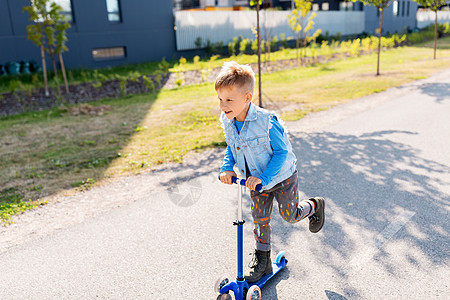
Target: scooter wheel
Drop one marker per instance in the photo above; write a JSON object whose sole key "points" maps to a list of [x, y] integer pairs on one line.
{"points": [[220, 283], [254, 293], [280, 257]]}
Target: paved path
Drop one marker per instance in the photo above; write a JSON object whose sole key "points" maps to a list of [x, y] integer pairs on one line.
{"points": [[382, 162]]}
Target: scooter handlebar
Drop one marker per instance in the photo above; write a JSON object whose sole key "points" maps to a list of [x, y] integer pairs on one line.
{"points": [[243, 181]]}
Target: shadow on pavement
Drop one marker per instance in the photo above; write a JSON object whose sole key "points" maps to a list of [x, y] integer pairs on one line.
{"points": [[369, 180], [440, 91], [334, 296]]}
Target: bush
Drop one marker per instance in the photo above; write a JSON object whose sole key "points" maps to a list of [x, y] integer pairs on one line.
{"points": [[446, 28], [230, 49], [218, 47], [198, 42], [374, 44], [387, 42], [366, 44], [196, 59], [255, 46], [244, 46], [354, 47], [397, 40], [149, 83], [209, 48], [346, 47], [182, 61], [274, 43], [284, 43], [326, 50], [234, 46], [313, 49]]}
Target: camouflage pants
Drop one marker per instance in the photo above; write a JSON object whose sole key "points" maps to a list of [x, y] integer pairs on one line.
{"points": [[291, 209]]}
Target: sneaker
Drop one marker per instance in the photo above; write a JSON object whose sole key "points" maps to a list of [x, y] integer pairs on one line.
{"points": [[318, 218], [259, 265]]}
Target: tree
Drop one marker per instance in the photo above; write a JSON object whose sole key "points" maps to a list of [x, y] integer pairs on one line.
{"points": [[258, 36], [434, 5], [48, 31], [381, 6], [300, 23]]}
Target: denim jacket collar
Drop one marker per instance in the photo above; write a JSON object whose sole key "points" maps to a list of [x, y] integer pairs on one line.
{"points": [[251, 115]]}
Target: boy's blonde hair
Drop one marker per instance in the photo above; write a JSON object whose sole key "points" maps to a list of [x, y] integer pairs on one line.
{"points": [[233, 74]]}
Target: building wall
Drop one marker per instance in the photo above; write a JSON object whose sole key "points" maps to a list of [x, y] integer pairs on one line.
{"points": [[426, 18], [223, 26], [391, 23], [146, 31]]}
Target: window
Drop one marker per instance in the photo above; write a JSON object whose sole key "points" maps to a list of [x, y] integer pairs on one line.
{"points": [[315, 7], [108, 53], [395, 8], [346, 6], [113, 8], [325, 6], [407, 10], [403, 8]]}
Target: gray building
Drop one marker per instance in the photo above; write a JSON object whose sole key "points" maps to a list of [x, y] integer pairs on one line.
{"points": [[397, 17], [103, 32], [400, 15]]}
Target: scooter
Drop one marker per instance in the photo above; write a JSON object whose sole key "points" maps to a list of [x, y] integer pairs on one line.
{"points": [[241, 288]]}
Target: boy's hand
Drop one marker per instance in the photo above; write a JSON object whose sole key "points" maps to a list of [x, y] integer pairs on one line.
{"points": [[252, 182], [225, 177]]}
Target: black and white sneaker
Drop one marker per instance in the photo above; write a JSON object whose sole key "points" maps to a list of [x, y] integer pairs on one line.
{"points": [[318, 218]]}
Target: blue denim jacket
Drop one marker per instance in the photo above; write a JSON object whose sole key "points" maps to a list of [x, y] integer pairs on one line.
{"points": [[253, 142]]}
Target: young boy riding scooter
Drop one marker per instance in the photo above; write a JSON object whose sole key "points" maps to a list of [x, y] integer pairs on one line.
{"points": [[258, 144]]}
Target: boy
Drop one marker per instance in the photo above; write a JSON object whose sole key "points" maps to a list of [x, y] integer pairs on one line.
{"points": [[258, 144]]}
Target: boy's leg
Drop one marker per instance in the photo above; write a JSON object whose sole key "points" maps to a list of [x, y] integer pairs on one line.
{"points": [[261, 211], [291, 209]]}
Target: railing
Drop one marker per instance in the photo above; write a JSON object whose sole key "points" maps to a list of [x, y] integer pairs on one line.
{"points": [[225, 25]]}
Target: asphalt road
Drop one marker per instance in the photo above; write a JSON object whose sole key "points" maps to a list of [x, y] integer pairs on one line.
{"points": [[383, 164]]}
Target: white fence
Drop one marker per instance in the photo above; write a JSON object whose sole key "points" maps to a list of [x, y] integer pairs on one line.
{"points": [[425, 18], [225, 25]]}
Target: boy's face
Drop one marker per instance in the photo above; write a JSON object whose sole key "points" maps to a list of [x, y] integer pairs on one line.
{"points": [[234, 102]]}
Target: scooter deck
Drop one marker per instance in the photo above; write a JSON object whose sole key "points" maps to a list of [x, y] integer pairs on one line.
{"points": [[277, 267]]}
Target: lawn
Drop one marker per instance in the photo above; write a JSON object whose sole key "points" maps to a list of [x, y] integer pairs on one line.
{"points": [[47, 152]]}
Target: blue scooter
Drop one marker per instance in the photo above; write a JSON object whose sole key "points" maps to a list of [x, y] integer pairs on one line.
{"points": [[241, 288]]}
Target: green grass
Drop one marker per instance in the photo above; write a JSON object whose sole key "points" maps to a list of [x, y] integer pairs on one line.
{"points": [[11, 203], [48, 152]]}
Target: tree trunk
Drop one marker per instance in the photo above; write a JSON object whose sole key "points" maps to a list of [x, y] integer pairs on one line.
{"points": [[297, 46], [435, 32], [379, 41], [55, 70], [63, 71], [304, 47], [44, 70], [259, 54]]}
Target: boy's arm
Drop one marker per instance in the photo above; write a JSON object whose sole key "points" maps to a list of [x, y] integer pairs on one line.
{"points": [[227, 172], [228, 161], [280, 152]]}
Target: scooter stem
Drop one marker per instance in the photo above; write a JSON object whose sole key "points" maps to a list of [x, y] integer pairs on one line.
{"points": [[240, 237], [239, 216]]}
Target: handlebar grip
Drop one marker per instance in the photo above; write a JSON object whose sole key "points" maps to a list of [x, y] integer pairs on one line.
{"points": [[236, 180]]}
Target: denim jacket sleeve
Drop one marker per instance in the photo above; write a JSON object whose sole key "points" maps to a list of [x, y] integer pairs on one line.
{"points": [[228, 161], [280, 152]]}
